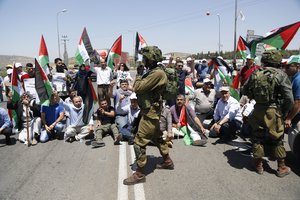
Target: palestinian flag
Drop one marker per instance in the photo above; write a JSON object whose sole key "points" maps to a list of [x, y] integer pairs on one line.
{"points": [[42, 85], [243, 48], [16, 93], [189, 88], [114, 52], [216, 62], [89, 101], [43, 56], [139, 41], [84, 49], [184, 126], [278, 38]]}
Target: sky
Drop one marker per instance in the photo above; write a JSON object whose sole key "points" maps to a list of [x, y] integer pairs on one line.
{"points": [[172, 25]]}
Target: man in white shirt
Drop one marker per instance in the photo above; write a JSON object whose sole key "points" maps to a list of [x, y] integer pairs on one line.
{"points": [[227, 116], [104, 79]]}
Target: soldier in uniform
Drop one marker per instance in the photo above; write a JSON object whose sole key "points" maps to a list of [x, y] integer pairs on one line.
{"points": [[267, 117], [149, 88]]}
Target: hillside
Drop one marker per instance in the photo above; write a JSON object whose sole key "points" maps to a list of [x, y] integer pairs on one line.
{"points": [[4, 60]]}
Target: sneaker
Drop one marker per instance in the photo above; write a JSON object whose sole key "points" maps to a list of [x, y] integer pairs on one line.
{"points": [[98, 143]]}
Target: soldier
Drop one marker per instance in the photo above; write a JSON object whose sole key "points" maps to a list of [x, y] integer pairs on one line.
{"points": [[272, 91], [149, 88]]}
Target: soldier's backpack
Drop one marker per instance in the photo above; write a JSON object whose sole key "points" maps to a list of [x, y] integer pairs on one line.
{"points": [[171, 89], [263, 86]]}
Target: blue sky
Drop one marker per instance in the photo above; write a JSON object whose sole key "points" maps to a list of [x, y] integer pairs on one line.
{"points": [[172, 25]]}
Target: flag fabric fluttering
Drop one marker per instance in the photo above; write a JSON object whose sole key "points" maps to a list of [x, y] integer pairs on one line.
{"points": [[84, 49], [216, 62], [89, 101], [184, 126], [16, 93], [43, 56], [139, 42], [243, 48], [42, 85], [114, 52], [242, 16], [189, 88], [278, 38]]}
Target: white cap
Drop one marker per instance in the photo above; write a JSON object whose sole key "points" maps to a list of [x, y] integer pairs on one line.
{"points": [[220, 57], [9, 71], [133, 96], [206, 80], [204, 60], [189, 59], [224, 88], [17, 65], [249, 57]]}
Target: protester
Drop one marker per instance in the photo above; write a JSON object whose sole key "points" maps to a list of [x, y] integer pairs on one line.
{"points": [[80, 81], [123, 74], [227, 117], [182, 74], [132, 110], [5, 126], [52, 117], [105, 124]]}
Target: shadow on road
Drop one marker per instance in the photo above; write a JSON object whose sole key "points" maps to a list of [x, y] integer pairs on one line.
{"points": [[151, 164]]}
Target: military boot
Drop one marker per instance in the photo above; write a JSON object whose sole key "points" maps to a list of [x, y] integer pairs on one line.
{"points": [[259, 165], [282, 170], [137, 177], [167, 164]]}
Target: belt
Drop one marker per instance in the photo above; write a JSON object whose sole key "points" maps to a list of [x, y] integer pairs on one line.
{"points": [[122, 115], [103, 85]]}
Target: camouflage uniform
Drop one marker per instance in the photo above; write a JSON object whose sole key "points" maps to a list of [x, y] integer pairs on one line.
{"points": [[267, 119]]}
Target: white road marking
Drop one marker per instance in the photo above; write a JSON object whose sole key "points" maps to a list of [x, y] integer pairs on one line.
{"points": [[122, 189]]}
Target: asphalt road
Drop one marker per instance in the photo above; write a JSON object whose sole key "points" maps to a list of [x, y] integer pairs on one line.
{"points": [[56, 170]]}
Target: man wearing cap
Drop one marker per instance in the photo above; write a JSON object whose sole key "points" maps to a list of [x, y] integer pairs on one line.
{"points": [[292, 69], [132, 110], [227, 117], [19, 70], [272, 92], [190, 67], [202, 70], [149, 88], [204, 99]]}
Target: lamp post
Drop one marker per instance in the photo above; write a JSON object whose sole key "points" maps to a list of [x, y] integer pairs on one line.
{"points": [[219, 45], [57, 27]]}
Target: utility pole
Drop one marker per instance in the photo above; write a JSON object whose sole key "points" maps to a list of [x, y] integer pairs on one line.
{"points": [[66, 57]]}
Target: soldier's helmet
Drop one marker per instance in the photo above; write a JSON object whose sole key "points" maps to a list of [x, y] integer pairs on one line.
{"points": [[152, 53], [272, 58]]}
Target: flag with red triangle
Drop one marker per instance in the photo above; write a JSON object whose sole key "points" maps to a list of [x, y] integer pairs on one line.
{"points": [[114, 52], [43, 56], [139, 42], [184, 126], [84, 50], [243, 48], [42, 85], [279, 38]]}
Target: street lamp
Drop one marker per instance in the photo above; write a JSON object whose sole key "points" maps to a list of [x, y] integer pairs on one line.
{"points": [[219, 45], [57, 27]]}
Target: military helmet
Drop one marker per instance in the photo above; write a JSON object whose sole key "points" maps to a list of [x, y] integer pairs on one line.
{"points": [[152, 53], [271, 57]]}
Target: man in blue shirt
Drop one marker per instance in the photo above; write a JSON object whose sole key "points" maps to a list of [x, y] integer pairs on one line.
{"points": [[52, 117], [6, 126]]}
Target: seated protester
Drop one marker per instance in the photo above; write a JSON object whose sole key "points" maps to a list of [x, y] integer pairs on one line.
{"points": [[105, 124], [5, 126], [227, 116], [52, 117], [132, 111], [28, 114], [165, 122], [77, 129], [204, 99], [69, 100], [199, 138], [121, 96]]}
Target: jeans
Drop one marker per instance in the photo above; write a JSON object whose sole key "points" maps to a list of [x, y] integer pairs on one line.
{"points": [[58, 128]]}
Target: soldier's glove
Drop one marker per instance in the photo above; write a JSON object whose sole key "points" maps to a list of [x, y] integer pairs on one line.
{"points": [[140, 70]]}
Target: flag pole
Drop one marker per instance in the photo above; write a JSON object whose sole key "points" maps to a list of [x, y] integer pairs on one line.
{"points": [[27, 126], [235, 19]]}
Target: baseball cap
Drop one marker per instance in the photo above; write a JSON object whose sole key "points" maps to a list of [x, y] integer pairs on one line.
{"points": [[293, 59], [133, 96], [9, 66], [204, 60], [17, 65], [9, 71], [189, 59], [206, 80], [249, 57], [224, 88]]}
